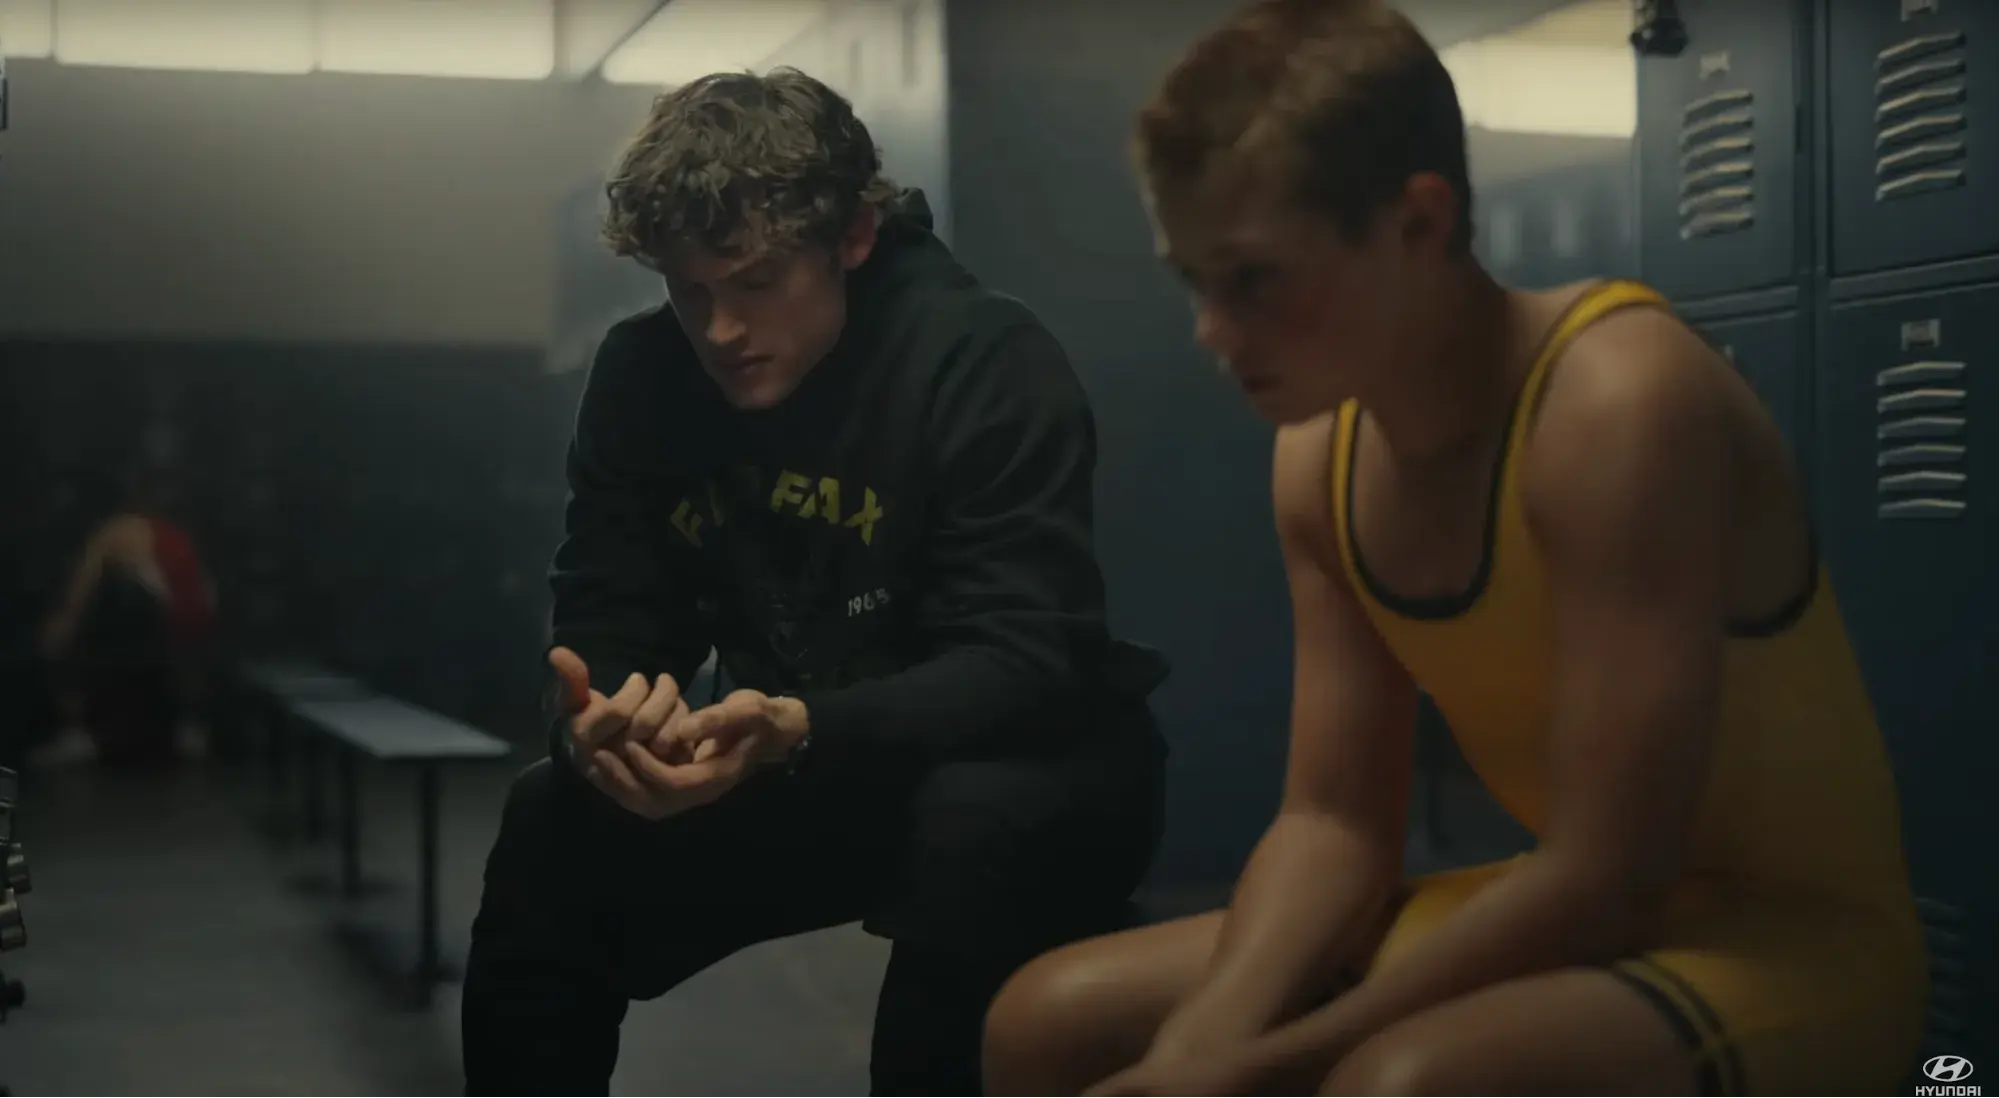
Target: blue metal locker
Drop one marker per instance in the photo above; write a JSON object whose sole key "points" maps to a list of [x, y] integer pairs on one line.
{"points": [[1766, 350], [1913, 87], [1718, 149], [1909, 501], [1908, 476]]}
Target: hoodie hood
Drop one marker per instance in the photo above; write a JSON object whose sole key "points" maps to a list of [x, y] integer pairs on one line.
{"points": [[912, 205]]}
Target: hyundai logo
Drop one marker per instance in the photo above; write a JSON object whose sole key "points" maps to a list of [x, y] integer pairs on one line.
{"points": [[1947, 1069]]}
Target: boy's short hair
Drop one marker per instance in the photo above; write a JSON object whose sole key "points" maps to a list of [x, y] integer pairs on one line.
{"points": [[1341, 100], [740, 164]]}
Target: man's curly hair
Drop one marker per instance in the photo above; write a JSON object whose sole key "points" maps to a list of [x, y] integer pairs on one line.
{"points": [[740, 164]]}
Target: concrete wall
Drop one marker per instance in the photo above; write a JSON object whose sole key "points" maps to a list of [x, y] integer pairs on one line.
{"points": [[179, 205]]}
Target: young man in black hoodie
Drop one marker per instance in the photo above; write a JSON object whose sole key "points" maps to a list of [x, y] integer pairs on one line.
{"points": [[865, 481]]}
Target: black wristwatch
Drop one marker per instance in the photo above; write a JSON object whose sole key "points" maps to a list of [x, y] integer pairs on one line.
{"points": [[795, 758]]}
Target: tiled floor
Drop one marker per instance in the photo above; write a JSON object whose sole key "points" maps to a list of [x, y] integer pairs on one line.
{"points": [[170, 953]]}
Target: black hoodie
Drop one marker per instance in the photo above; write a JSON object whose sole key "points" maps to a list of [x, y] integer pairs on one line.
{"points": [[905, 543]]}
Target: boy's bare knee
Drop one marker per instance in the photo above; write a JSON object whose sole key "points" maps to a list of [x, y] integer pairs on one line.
{"points": [[1038, 1024]]}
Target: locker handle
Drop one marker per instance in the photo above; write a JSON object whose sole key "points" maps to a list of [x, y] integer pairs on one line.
{"points": [[1920, 183], [1918, 73], [1920, 46], [1928, 125], [1916, 100], [1923, 333], [1704, 153], [1707, 103]]}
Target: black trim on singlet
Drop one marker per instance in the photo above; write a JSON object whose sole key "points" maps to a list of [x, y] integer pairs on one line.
{"points": [[1431, 607], [1444, 607], [1692, 1019], [1785, 616]]}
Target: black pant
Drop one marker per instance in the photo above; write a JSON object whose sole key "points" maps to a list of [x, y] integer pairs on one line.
{"points": [[133, 713], [972, 869]]}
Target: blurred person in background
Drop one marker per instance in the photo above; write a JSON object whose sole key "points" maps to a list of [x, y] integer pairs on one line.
{"points": [[128, 633]]}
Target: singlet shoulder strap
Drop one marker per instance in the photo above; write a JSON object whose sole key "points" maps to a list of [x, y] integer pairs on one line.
{"points": [[1589, 307], [1345, 422]]}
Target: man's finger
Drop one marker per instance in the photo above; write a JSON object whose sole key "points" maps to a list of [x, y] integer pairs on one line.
{"points": [[653, 770], [617, 781], [580, 723], [575, 677], [742, 709], [738, 758], [631, 695], [666, 743], [617, 712], [690, 785], [666, 777], [702, 724], [658, 706]]}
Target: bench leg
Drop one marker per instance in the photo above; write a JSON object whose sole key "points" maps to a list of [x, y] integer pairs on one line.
{"points": [[315, 800], [350, 825], [277, 758], [429, 965], [274, 767]]}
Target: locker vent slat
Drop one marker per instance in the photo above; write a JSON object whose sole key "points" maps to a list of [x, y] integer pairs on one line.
{"points": [[1920, 432], [1718, 164], [1953, 981], [1920, 125]]}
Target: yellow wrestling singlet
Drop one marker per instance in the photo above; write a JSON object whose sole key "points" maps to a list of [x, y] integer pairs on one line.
{"points": [[1792, 958]]}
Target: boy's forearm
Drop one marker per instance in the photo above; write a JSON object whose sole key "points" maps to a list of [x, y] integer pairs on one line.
{"points": [[1307, 904]]}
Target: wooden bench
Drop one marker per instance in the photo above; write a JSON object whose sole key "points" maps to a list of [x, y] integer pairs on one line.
{"points": [[275, 688], [392, 732]]}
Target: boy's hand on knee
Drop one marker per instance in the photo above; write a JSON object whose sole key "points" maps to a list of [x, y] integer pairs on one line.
{"points": [[1208, 1075]]}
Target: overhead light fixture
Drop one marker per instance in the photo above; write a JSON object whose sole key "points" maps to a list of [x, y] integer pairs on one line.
{"points": [[256, 36], [689, 39], [1564, 91], [490, 39], [586, 31], [1567, 73], [27, 28]]}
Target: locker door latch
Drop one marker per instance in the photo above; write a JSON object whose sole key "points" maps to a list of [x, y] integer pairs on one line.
{"points": [[1657, 30]]}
